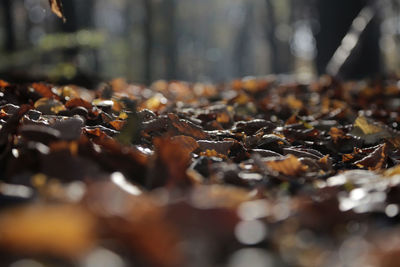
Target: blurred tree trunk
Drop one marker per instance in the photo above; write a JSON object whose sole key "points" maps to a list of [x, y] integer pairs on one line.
{"points": [[71, 25], [85, 20], [170, 39], [241, 43], [85, 13], [336, 17], [132, 58], [273, 44], [9, 44], [148, 40]]}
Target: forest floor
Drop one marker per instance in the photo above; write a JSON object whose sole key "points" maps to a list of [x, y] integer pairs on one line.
{"points": [[249, 173]]}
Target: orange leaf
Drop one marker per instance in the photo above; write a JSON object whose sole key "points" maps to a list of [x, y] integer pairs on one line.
{"points": [[4, 83], [78, 102], [117, 124], [43, 89]]}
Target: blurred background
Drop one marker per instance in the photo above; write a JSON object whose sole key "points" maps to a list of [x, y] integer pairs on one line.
{"points": [[193, 40]]}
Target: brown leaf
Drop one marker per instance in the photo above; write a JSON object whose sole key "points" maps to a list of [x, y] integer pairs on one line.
{"points": [[187, 143], [57, 8], [78, 102], [186, 127], [140, 225], [170, 164], [290, 166], [44, 90]]}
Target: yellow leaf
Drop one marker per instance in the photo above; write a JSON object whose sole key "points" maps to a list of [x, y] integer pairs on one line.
{"points": [[366, 127]]}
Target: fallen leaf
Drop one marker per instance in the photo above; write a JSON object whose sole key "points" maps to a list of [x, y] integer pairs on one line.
{"points": [[337, 134], [375, 160], [78, 102], [186, 127], [369, 131], [290, 165], [170, 164], [44, 90], [187, 143]]}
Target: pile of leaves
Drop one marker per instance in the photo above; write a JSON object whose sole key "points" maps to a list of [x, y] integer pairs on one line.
{"points": [[250, 173]]}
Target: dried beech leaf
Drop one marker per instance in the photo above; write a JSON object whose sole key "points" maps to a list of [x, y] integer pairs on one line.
{"points": [[78, 102], [187, 128], [371, 132], [290, 166], [44, 90], [365, 126], [118, 124], [170, 164], [187, 143]]}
